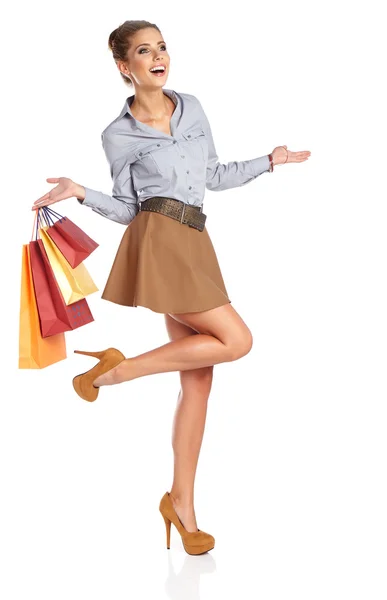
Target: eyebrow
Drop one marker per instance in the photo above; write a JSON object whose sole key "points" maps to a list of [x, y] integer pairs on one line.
{"points": [[162, 42]]}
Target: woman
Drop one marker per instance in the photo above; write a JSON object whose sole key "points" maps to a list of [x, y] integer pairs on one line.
{"points": [[162, 158]]}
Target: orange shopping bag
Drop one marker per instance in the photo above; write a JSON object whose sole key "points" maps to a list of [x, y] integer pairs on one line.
{"points": [[35, 352]]}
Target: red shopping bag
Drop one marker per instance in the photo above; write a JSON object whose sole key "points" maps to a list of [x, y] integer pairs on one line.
{"points": [[71, 240], [54, 316]]}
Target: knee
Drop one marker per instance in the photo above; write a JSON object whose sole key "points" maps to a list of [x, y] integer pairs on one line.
{"points": [[242, 345], [204, 377], [199, 380]]}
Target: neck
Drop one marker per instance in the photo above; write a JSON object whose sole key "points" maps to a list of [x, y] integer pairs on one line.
{"points": [[150, 103]]}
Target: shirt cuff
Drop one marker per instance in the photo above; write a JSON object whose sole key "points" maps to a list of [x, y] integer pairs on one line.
{"points": [[92, 198], [260, 165]]}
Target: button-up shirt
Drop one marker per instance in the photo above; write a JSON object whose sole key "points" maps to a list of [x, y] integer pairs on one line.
{"points": [[146, 162]]}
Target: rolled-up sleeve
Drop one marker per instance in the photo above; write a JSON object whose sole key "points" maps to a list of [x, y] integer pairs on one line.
{"points": [[232, 174], [122, 205]]}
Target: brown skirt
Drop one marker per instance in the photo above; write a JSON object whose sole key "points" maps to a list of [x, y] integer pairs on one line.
{"points": [[166, 266]]}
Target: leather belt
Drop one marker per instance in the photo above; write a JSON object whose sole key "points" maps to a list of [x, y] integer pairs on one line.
{"points": [[176, 209]]}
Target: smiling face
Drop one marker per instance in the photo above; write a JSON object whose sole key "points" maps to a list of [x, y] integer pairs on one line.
{"points": [[147, 50]]}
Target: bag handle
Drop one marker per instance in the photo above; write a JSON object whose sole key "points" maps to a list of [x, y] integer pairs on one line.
{"points": [[38, 224], [53, 212], [34, 224], [42, 217], [47, 216], [40, 214], [41, 221]]}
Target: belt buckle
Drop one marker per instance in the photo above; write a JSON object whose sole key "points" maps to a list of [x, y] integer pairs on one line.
{"points": [[182, 213]]}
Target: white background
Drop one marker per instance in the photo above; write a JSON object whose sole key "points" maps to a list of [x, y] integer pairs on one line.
{"points": [[291, 478]]}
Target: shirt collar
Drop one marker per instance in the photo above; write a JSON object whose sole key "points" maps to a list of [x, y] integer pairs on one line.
{"points": [[126, 108]]}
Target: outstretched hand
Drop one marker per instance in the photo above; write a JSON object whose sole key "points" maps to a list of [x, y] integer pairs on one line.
{"points": [[66, 188], [282, 155]]}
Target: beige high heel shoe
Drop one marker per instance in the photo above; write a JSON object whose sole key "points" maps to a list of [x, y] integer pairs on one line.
{"points": [[83, 384], [194, 542]]}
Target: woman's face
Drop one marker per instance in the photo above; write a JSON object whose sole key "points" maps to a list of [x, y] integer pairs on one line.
{"points": [[147, 50]]}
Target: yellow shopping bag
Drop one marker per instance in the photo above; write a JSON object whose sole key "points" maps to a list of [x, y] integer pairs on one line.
{"points": [[35, 352], [74, 284]]}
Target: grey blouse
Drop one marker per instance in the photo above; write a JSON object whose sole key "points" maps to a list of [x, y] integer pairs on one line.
{"points": [[146, 162]]}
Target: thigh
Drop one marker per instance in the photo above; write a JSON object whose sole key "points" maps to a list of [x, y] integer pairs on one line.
{"points": [[222, 322], [177, 330]]}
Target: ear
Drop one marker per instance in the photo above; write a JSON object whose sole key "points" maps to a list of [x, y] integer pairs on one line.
{"points": [[123, 68]]}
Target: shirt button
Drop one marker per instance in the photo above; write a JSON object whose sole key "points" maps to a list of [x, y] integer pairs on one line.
{"points": [[174, 141], [158, 144], [187, 171], [140, 153], [190, 187], [182, 156]]}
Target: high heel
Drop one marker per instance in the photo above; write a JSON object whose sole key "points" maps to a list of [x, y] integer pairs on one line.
{"points": [[168, 529], [83, 384], [194, 542], [95, 354]]}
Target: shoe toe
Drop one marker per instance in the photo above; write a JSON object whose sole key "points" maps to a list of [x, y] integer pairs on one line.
{"points": [[207, 536], [199, 542], [90, 393]]}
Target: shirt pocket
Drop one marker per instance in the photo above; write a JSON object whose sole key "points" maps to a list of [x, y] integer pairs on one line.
{"points": [[156, 156], [196, 142]]}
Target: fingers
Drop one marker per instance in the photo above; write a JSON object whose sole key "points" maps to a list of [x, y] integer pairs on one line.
{"points": [[35, 207], [45, 200], [41, 201], [299, 156], [46, 203]]}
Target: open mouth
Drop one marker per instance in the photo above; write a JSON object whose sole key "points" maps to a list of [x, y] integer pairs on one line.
{"points": [[158, 71]]}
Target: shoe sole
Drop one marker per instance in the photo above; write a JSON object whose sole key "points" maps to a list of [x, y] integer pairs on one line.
{"points": [[199, 547]]}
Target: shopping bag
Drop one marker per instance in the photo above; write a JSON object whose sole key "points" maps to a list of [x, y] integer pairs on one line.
{"points": [[71, 240], [74, 284], [54, 315], [35, 352]]}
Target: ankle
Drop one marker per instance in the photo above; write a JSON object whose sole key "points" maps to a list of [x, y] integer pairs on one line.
{"points": [[120, 372], [182, 500]]}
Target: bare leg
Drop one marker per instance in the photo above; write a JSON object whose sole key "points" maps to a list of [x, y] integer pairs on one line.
{"points": [[222, 336], [188, 429]]}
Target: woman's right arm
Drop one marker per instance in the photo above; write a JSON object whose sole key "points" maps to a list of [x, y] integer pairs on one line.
{"points": [[121, 206]]}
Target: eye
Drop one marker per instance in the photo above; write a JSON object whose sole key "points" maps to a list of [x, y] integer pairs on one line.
{"points": [[161, 47]]}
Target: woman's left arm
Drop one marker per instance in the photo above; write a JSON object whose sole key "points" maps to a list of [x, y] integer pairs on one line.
{"points": [[237, 173]]}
